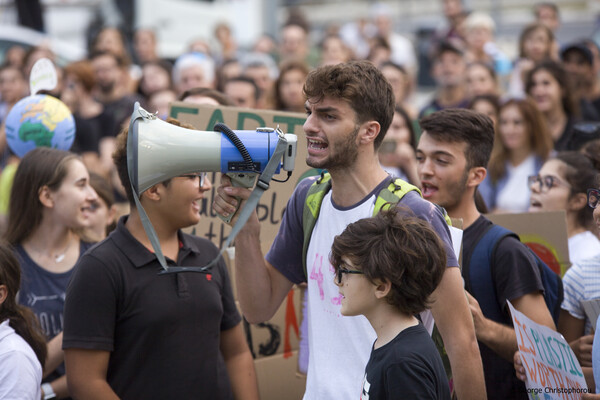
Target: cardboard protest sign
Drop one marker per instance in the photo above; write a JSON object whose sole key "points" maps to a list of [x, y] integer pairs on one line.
{"points": [[281, 334], [543, 232], [277, 378], [272, 204], [42, 77], [592, 310], [552, 369], [456, 233]]}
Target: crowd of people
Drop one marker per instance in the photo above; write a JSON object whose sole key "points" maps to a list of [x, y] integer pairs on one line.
{"points": [[84, 314]]}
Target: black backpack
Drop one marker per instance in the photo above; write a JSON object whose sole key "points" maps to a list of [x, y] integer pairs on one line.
{"points": [[479, 269]]}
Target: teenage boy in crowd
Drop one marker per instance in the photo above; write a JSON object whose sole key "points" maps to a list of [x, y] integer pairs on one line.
{"points": [[404, 361], [349, 109], [131, 333], [452, 155]]}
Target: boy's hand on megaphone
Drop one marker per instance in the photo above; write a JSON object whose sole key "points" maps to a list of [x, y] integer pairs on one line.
{"points": [[227, 198]]}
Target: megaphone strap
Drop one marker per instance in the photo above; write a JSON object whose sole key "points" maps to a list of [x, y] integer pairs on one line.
{"points": [[245, 212], [140, 113]]}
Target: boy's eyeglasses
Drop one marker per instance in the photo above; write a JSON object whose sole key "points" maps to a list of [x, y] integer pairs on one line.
{"points": [[545, 182], [201, 175], [593, 196], [342, 271]]}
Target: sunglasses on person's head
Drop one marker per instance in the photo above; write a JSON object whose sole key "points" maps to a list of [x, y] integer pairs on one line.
{"points": [[593, 196]]}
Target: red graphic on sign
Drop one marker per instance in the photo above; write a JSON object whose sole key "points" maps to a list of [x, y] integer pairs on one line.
{"points": [[546, 255]]}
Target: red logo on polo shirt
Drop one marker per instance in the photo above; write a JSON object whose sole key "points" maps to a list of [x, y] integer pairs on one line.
{"points": [[208, 277]]}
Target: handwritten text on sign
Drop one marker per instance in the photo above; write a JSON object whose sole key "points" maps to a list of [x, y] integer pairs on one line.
{"points": [[552, 370]]}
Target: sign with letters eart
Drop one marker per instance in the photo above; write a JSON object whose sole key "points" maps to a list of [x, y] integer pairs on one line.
{"points": [[552, 369], [272, 204]]}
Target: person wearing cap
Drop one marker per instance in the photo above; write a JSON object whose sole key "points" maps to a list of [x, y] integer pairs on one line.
{"points": [[578, 60], [449, 71]]}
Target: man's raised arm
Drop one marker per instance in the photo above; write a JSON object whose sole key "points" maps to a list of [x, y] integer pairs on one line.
{"points": [[261, 288]]}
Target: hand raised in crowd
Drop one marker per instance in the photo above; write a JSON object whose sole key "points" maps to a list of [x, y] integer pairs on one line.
{"points": [[228, 197], [582, 348]]}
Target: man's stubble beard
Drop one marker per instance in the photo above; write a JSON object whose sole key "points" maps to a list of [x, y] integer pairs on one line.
{"points": [[346, 153]]}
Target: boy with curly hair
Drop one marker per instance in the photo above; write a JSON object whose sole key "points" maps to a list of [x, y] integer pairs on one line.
{"points": [[386, 268]]}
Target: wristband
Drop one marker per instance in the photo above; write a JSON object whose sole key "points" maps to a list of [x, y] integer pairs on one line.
{"points": [[48, 392]]}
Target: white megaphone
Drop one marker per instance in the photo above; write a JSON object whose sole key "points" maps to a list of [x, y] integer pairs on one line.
{"points": [[161, 151], [158, 151]]}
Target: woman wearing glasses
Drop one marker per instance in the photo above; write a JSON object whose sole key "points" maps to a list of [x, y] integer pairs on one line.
{"points": [[521, 145], [562, 184]]}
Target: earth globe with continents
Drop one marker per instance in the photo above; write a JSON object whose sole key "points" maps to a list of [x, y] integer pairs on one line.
{"points": [[39, 121]]}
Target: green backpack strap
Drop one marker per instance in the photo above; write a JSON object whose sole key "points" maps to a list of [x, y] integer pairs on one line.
{"points": [[392, 194], [312, 207], [395, 191]]}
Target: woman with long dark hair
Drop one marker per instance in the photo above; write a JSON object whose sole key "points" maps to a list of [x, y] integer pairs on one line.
{"points": [[562, 184], [521, 145], [549, 86], [22, 345], [50, 202]]}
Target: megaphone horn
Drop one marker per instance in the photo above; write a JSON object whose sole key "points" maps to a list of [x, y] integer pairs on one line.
{"points": [[161, 151]]}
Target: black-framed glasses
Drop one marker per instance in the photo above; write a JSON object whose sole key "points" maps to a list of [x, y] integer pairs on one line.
{"points": [[342, 271], [545, 182], [201, 175], [593, 197]]}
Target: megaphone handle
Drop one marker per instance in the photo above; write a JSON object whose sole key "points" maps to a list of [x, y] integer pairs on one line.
{"points": [[245, 180]]}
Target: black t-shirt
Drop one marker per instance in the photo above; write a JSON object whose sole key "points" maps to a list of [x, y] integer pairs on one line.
{"points": [[121, 111], [515, 275], [87, 136], [162, 331], [89, 131], [44, 293], [408, 367]]}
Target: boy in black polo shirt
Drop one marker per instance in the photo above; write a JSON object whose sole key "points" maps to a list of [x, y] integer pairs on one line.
{"points": [[386, 268], [132, 333]]}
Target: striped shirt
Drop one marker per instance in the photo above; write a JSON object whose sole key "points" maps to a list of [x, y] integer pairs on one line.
{"points": [[581, 282]]}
